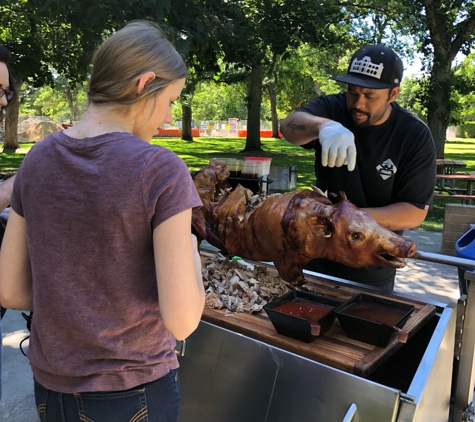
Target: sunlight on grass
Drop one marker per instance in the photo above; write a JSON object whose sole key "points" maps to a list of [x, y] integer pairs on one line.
{"points": [[197, 154], [461, 149], [455, 149], [12, 160]]}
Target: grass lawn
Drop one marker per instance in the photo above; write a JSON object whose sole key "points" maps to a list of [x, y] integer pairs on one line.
{"points": [[455, 149], [197, 154]]}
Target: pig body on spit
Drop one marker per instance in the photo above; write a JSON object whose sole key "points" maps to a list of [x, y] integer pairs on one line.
{"points": [[292, 228]]}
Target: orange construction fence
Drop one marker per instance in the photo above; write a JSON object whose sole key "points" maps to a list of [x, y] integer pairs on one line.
{"points": [[264, 133], [175, 133], [195, 132]]}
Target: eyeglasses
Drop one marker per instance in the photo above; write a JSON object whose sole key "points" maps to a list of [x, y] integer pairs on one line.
{"points": [[7, 92]]}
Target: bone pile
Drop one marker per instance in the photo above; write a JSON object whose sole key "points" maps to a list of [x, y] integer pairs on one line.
{"points": [[238, 288]]}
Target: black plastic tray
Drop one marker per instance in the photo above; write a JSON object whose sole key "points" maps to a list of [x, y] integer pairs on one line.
{"points": [[296, 327], [370, 330]]}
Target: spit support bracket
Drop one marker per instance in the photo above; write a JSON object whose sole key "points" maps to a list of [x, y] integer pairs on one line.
{"points": [[180, 348], [464, 369], [469, 414]]}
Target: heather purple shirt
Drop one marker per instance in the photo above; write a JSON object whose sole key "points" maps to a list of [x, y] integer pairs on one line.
{"points": [[90, 208]]}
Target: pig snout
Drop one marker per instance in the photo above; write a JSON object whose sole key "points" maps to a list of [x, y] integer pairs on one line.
{"points": [[411, 251], [394, 249]]}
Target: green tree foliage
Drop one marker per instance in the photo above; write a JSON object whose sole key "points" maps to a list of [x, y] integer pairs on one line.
{"points": [[438, 29], [268, 29], [51, 36], [306, 73], [390, 22], [217, 101], [201, 29], [415, 93], [59, 103], [463, 93], [411, 97], [451, 29]]}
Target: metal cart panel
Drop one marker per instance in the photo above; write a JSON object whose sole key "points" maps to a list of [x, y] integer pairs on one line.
{"points": [[232, 378]]}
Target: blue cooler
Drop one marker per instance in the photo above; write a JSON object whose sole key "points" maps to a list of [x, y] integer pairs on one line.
{"points": [[465, 248]]}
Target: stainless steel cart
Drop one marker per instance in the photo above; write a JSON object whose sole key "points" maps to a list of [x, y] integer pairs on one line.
{"points": [[230, 377]]}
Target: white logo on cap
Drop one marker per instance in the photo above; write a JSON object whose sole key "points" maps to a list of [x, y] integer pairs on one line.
{"points": [[365, 67]]}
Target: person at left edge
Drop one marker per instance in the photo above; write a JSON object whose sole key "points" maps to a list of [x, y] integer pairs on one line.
{"points": [[7, 95]]}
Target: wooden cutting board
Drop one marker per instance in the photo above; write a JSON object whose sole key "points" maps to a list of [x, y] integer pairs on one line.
{"points": [[334, 348]]}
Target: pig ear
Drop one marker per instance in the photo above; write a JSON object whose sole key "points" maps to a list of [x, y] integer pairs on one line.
{"points": [[342, 196], [336, 198], [321, 226]]}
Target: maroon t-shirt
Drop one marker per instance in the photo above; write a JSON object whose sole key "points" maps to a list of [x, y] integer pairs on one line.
{"points": [[90, 207]]}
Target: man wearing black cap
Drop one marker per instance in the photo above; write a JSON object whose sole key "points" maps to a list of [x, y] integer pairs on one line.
{"points": [[366, 145]]}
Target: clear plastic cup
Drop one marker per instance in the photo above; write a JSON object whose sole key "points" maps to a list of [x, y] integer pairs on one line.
{"points": [[264, 164], [234, 166], [250, 169]]}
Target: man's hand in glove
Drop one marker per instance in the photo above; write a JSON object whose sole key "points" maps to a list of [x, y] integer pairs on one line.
{"points": [[338, 146]]}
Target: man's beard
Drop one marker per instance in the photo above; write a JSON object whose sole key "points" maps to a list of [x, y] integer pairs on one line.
{"points": [[370, 121], [365, 123]]}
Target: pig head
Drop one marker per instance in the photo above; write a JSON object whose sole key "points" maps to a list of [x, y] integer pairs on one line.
{"points": [[357, 240]]}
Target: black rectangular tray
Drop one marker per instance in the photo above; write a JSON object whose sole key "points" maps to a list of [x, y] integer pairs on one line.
{"points": [[297, 327], [366, 328]]}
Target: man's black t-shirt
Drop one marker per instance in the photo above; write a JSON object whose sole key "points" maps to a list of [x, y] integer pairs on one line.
{"points": [[396, 162]]}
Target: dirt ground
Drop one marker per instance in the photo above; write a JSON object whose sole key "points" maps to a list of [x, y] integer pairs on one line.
{"points": [[35, 129]]}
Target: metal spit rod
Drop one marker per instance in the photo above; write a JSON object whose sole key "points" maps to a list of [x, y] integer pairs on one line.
{"points": [[445, 259]]}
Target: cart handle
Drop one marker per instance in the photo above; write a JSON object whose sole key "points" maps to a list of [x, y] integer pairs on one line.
{"points": [[350, 413]]}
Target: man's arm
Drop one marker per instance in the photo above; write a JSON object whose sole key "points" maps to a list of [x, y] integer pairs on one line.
{"points": [[338, 143], [300, 128], [398, 216], [6, 189]]}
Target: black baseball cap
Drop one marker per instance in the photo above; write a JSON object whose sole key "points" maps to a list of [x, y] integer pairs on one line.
{"points": [[374, 66]]}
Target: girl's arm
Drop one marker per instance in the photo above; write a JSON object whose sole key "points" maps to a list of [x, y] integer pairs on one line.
{"points": [[15, 268], [6, 189], [178, 265]]}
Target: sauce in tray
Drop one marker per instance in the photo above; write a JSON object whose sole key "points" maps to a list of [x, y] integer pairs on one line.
{"points": [[375, 312], [303, 308]]}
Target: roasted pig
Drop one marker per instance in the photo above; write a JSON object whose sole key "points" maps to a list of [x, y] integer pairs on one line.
{"points": [[292, 228]]}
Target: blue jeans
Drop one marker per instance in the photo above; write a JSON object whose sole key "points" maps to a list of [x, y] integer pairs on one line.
{"points": [[157, 401]]}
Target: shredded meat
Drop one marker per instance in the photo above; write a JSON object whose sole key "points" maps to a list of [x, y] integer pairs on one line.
{"points": [[238, 287]]}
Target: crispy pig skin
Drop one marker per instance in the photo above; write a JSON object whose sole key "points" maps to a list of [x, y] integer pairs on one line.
{"points": [[292, 228], [206, 181]]}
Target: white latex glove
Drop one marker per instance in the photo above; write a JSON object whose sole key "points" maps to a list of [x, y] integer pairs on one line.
{"points": [[338, 146]]}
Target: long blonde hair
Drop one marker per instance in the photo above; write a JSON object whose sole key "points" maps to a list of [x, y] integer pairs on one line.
{"points": [[139, 47]]}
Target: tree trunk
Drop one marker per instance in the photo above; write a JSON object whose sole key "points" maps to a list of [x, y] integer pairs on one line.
{"points": [[72, 95], [186, 134], [187, 99], [11, 123], [273, 110], [438, 108], [253, 139]]}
